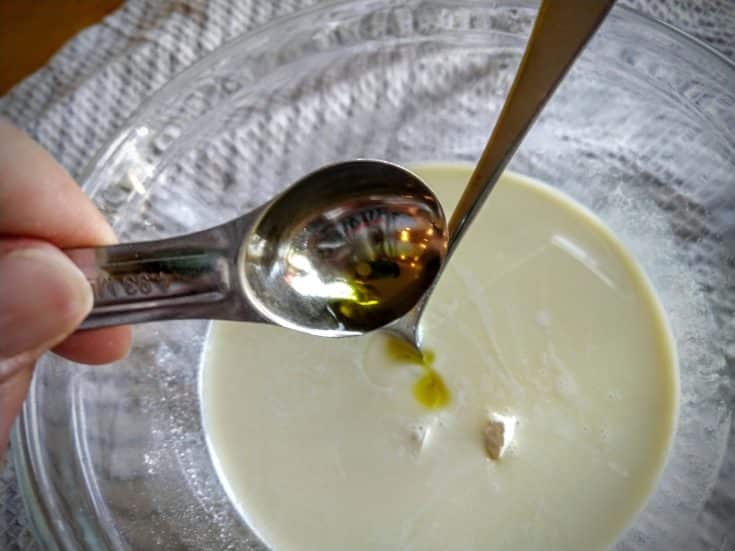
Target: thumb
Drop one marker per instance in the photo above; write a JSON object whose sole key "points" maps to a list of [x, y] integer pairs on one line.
{"points": [[43, 297]]}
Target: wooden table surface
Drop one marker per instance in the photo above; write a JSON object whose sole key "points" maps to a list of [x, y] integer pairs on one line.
{"points": [[31, 31]]}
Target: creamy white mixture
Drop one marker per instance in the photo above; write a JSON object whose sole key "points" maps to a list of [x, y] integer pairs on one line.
{"points": [[542, 326]]}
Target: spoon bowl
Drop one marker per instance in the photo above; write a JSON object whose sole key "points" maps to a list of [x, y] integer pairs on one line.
{"points": [[345, 250], [348, 249]]}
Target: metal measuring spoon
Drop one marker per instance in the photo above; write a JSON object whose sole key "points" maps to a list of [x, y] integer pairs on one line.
{"points": [[561, 30], [345, 250]]}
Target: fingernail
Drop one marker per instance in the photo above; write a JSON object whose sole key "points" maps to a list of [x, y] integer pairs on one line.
{"points": [[43, 297]]}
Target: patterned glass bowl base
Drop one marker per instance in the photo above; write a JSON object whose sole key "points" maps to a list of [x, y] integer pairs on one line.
{"points": [[642, 132]]}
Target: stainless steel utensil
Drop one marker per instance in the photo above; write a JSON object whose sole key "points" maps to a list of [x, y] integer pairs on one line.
{"points": [[561, 30], [345, 250]]}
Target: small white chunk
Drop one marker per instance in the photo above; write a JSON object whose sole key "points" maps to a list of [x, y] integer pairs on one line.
{"points": [[498, 435], [494, 439]]}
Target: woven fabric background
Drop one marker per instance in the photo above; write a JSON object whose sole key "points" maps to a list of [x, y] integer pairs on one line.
{"points": [[74, 104]]}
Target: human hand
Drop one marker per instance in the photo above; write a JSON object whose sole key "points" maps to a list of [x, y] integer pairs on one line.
{"points": [[43, 295]]}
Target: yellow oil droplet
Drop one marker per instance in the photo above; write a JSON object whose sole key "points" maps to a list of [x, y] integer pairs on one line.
{"points": [[346, 309], [430, 390], [363, 269], [399, 350]]}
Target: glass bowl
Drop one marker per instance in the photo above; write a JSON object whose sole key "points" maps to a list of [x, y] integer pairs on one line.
{"points": [[642, 132]]}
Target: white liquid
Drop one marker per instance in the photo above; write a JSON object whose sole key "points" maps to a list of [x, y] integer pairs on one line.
{"points": [[541, 317]]}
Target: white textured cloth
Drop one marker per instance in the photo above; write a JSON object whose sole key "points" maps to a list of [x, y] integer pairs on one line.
{"points": [[85, 93], [73, 105]]}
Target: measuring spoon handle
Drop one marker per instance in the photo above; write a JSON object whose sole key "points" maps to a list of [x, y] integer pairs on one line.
{"points": [[186, 277]]}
